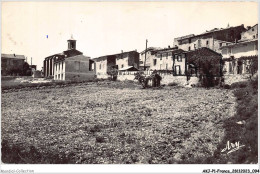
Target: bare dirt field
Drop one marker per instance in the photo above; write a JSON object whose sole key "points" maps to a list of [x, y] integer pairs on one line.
{"points": [[114, 122]]}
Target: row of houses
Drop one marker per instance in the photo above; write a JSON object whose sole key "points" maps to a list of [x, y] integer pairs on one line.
{"points": [[235, 46], [16, 65]]}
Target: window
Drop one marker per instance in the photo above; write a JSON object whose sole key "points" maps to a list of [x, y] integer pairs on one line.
{"points": [[154, 62], [99, 66], [253, 29], [229, 50], [199, 43], [72, 46], [207, 43], [59, 66], [253, 36], [189, 48], [194, 46], [177, 69], [167, 66], [220, 44], [122, 66], [179, 59]]}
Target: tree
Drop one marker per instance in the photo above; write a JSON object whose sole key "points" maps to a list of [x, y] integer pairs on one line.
{"points": [[26, 69], [113, 73], [209, 68]]}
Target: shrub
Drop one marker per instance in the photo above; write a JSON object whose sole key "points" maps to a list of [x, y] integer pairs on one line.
{"points": [[173, 84], [239, 85], [226, 86], [247, 111]]}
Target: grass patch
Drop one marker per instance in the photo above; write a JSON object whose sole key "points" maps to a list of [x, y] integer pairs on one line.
{"points": [[114, 123], [246, 94]]}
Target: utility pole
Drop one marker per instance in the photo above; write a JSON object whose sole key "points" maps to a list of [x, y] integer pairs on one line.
{"points": [[31, 67], [145, 54]]}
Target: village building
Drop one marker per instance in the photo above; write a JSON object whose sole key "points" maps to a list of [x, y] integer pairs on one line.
{"points": [[163, 60], [240, 55], [122, 62], [146, 59], [12, 64], [213, 39], [69, 65], [48, 64], [189, 63]]}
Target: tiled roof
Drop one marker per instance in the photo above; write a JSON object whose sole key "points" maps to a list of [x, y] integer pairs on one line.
{"points": [[211, 31], [151, 49], [128, 68], [240, 42], [101, 57], [12, 56]]}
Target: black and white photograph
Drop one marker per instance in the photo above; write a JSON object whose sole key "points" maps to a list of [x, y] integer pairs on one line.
{"points": [[131, 83]]}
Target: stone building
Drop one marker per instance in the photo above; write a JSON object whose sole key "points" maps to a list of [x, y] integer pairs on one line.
{"points": [[239, 55], [119, 61], [73, 68], [12, 64], [48, 63], [69, 65], [150, 55], [190, 62], [213, 39]]}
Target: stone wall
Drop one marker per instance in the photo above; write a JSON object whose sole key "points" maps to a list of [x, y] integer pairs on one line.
{"points": [[233, 78], [166, 79]]}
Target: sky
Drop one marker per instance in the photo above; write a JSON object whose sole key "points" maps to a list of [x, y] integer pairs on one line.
{"points": [[41, 29]]}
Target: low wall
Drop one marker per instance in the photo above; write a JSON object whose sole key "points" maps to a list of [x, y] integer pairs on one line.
{"points": [[166, 79], [102, 76], [233, 78], [125, 77], [180, 80], [80, 76]]}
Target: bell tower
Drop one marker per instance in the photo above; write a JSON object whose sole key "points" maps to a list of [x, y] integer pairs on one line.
{"points": [[71, 43]]}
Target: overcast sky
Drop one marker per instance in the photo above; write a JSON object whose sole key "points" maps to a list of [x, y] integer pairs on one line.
{"points": [[102, 28]]}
